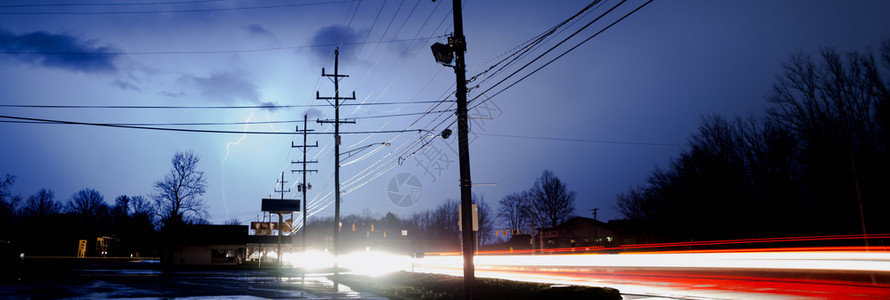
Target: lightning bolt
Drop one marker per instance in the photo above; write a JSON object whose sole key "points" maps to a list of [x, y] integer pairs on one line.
{"points": [[223, 163]]}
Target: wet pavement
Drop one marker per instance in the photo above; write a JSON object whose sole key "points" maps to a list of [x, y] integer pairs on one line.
{"points": [[155, 284]]}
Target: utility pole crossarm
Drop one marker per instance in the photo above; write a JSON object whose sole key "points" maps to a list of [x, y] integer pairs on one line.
{"points": [[306, 161], [319, 97], [335, 71], [303, 146], [344, 121]]}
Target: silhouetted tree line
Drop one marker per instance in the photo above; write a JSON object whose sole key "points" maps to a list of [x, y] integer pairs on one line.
{"points": [[816, 163], [435, 229], [441, 224], [44, 225]]}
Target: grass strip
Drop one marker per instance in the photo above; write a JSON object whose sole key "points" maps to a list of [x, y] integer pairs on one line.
{"points": [[423, 286]]}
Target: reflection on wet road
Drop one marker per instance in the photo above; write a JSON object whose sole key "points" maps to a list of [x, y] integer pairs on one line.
{"points": [[149, 284]]}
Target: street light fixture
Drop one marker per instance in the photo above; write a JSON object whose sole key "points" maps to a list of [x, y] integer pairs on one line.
{"points": [[446, 133], [444, 54]]}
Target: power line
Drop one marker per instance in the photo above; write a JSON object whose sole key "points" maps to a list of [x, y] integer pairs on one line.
{"points": [[349, 25], [273, 107], [175, 124], [383, 168], [514, 54], [403, 114], [525, 49], [371, 29], [108, 4], [522, 50], [557, 57], [531, 44], [198, 10], [204, 51], [551, 48], [236, 123], [541, 67], [63, 122]]}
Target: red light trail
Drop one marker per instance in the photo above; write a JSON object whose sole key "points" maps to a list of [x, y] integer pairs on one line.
{"points": [[813, 272]]}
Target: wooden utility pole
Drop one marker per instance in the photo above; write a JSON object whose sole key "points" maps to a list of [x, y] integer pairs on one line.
{"points": [[459, 44], [280, 216], [303, 186], [336, 121]]}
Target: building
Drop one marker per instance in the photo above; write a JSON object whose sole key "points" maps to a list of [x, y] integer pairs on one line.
{"points": [[577, 232], [219, 245]]}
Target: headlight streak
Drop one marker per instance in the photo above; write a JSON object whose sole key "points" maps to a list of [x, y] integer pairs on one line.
{"points": [[786, 272], [370, 263]]}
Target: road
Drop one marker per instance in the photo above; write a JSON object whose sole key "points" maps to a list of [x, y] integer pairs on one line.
{"points": [[787, 273], [154, 284]]}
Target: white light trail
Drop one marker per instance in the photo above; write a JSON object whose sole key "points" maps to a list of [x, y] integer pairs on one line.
{"points": [[785, 260]]}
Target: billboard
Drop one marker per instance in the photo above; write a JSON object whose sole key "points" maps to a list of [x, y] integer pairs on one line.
{"points": [[264, 228], [281, 206]]}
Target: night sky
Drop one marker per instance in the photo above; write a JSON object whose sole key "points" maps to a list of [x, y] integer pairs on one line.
{"points": [[601, 117]]}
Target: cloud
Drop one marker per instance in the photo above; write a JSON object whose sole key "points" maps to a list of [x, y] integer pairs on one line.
{"points": [[328, 38], [270, 103], [255, 30], [313, 113], [225, 87], [172, 94], [60, 51], [125, 85]]}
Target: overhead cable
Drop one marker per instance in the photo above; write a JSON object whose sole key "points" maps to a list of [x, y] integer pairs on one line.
{"points": [[63, 122], [197, 10]]}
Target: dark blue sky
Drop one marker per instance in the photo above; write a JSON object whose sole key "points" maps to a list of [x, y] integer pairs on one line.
{"points": [[601, 117]]}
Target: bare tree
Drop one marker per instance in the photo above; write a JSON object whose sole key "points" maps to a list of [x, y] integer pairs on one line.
{"points": [[177, 197], [8, 201], [513, 211], [552, 202], [121, 208], [41, 204], [444, 219], [7, 207], [5, 188], [87, 205], [836, 106], [139, 206]]}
